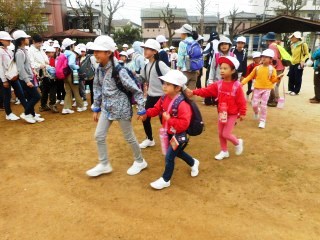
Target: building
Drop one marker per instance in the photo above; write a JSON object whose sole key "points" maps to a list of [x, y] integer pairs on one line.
{"points": [[54, 12], [153, 24], [118, 24], [211, 23]]}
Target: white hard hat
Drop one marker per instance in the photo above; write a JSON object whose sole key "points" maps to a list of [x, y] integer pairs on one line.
{"points": [[50, 49], [200, 38], [77, 50], [5, 36], [123, 53], [83, 49], [11, 47], [50, 41], [19, 34], [224, 39], [241, 39], [56, 41], [268, 53], [172, 47], [256, 54], [161, 39], [81, 45], [151, 43], [125, 46], [229, 60], [103, 43], [175, 77], [89, 44], [296, 35], [56, 45], [46, 43], [186, 28], [67, 42]]}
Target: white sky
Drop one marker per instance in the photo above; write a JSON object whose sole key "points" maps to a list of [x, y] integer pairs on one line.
{"points": [[132, 8]]}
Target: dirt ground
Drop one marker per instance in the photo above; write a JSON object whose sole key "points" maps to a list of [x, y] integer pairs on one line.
{"points": [[272, 191]]}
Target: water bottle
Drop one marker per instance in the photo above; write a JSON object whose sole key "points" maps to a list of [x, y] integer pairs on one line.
{"points": [[164, 140], [223, 112], [75, 77]]}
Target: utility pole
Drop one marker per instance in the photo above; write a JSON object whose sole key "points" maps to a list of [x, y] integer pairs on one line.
{"points": [[266, 4]]}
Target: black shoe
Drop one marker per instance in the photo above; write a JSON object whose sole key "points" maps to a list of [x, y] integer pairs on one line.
{"points": [[44, 108], [272, 104]]}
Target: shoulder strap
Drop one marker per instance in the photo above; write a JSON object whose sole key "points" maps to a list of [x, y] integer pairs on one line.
{"points": [[235, 87], [158, 69], [270, 71], [176, 104]]}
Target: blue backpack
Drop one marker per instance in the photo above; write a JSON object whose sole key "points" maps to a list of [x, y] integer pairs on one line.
{"points": [[194, 61]]}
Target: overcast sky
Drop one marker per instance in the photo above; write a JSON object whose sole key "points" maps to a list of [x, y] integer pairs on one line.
{"points": [[133, 7]]}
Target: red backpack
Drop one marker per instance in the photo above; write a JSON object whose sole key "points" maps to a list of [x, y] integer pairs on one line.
{"points": [[62, 67]]}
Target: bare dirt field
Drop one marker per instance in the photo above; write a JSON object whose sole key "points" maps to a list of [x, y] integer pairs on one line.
{"points": [[271, 192]]}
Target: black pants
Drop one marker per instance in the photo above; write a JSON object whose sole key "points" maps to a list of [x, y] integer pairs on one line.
{"points": [[295, 78], [316, 80], [61, 93], [1, 94], [249, 88], [198, 83], [90, 84], [151, 101], [48, 88], [32, 95]]}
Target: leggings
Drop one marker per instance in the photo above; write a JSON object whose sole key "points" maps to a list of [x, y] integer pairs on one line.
{"points": [[151, 101], [261, 96], [225, 132]]}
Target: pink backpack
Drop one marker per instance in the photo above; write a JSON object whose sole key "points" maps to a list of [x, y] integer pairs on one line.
{"points": [[233, 93], [62, 67]]}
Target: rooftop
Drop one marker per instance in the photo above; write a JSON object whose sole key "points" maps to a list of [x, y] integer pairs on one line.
{"points": [[156, 12]]}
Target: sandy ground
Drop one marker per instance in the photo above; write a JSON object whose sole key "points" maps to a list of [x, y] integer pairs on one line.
{"points": [[272, 191]]}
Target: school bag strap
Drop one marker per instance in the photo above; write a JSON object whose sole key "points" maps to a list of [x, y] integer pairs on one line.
{"points": [[158, 70]]}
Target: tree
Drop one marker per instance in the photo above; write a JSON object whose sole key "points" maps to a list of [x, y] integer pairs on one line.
{"points": [[127, 34], [289, 7], [168, 17], [234, 27], [22, 14], [84, 13], [112, 7], [202, 5]]}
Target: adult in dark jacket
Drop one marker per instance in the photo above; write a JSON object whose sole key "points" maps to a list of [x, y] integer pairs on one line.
{"points": [[163, 55]]}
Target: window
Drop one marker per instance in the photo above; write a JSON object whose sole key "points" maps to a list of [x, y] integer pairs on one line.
{"points": [[152, 25]]}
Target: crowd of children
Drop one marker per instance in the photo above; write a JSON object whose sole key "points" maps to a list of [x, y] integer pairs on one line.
{"points": [[157, 79]]}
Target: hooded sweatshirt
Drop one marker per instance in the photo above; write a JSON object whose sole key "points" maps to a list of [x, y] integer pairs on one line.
{"points": [[138, 58]]}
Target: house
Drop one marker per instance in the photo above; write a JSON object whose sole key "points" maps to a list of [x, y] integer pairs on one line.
{"points": [[118, 24], [211, 24], [153, 24]]}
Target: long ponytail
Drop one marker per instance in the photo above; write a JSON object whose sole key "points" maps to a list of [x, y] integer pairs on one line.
{"points": [[194, 35], [17, 44]]}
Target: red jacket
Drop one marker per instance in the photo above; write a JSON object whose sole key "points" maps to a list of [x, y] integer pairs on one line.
{"points": [[180, 123], [52, 62], [250, 68], [236, 104]]}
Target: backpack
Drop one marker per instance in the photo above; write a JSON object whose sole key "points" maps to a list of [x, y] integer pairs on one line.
{"points": [[86, 70], [270, 70], [158, 70], [286, 58], [194, 60], [207, 58], [233, 93], [62, 67], [119, 84], [12, 73], [196, 126]]}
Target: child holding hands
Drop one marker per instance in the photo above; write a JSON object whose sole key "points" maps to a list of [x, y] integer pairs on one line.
{"points": [[176, 121], [231, 103]]}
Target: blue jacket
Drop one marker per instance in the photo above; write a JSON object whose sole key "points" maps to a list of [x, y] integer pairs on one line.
{"points": [[316, 58], [71, 59]]}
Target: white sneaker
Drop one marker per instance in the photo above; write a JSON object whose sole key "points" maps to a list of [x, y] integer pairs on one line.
{"points": [[12, 117], [38, 119], [195, 168], [147, 143], [79, 109], [62, 102], [17, 102], [293, 94], [99, 169], [160, 184], [222, 155], [67, 111], [239, 147], [28, 118], [137, 167], [85, 104], [262, 124], [74, 104]]}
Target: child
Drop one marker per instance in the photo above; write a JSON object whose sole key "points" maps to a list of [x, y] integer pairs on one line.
{"points": [[256, 57], [150, 74], [123, 58], [177, 125], [224, 49], [265, 76], [50, 51], [240, 52], [232, 103], [114, 105]]}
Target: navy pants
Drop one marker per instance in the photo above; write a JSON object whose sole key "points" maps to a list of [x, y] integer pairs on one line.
{"points": [[32, 95], [295, 78], [170, 157]]}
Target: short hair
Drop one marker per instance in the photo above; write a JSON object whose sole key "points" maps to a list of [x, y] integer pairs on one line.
{"points": [[37, 38]]}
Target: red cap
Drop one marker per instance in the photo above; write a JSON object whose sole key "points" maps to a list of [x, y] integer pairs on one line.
{"points": [[231, 61]]}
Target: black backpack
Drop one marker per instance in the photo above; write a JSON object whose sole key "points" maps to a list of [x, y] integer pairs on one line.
{"points": [[157, 69], [196, 126], [86, 70]]}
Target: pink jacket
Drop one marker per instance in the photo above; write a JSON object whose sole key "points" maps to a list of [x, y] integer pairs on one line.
{"points": [[279, 66]]}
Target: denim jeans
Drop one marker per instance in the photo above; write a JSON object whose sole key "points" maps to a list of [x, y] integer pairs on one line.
{"points": [[170, 156], [7, 95], [32, 96]]}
